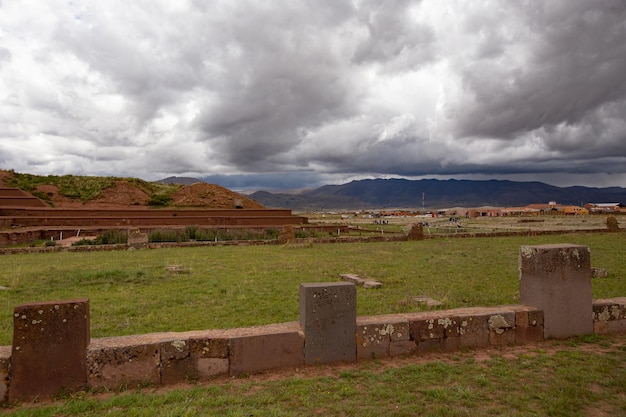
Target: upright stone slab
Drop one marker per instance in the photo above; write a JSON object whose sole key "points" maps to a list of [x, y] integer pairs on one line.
{"points": [[557, 280], [137, 239], [49, 353], [416, 232], [328, 318]]}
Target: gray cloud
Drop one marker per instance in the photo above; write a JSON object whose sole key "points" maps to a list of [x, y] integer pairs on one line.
{"points": [[572, 54], [292, 93]]}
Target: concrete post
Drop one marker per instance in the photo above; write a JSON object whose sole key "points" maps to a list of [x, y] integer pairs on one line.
{"points": [[557, 280], [328, 318], [49, 353]]}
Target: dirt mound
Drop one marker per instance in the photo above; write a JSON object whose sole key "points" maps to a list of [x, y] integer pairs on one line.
{"points": [[124, 194], [121, 195], [210, 195]]}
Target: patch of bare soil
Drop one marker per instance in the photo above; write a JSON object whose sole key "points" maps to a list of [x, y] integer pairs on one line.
{"points": [[4, 177], [125, 195], [120, 195], [211, 195]]}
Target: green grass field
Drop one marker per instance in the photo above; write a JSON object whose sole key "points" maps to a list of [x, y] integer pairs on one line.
{"points": [[132, 292], [574, 378]]}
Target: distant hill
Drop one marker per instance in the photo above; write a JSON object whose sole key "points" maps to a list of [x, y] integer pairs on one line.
{"points": [[403, 193], [179, 180]]}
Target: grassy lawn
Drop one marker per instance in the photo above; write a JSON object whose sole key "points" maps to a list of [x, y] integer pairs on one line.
{"points": [[132, 292], [580, 377]]}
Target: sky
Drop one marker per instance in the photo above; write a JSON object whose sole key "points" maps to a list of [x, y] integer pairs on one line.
{"points": [[289, 93]]}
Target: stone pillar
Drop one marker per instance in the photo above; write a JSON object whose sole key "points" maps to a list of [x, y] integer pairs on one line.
{"points": [[416, 232], [137, 239], [286, 235], [557, 280], [328, 318], [612, 225], [49, 353]]}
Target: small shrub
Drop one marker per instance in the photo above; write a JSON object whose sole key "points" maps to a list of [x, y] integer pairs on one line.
{"points": [[109, 237], [160, 200], [167, 236], [304, 233], [112, 237], [205, 235]]}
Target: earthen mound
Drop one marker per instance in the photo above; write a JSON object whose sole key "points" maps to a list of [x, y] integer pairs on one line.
{"points": [[125, 194], [211, 195]]}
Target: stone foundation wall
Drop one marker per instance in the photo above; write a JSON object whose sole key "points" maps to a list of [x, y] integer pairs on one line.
{"points": [[171, 358]]}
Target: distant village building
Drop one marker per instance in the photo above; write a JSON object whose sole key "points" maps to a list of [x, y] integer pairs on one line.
{"points": [[575, 210], [551, 208], [599, 208], [521, 211]]}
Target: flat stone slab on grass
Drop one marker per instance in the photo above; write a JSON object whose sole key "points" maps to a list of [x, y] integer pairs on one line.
{"points": [[362, 282], [429, 302], [177, 269]]}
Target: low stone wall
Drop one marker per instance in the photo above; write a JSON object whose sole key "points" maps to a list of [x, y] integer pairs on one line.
{"points": [[171, 358], [53, 353]]}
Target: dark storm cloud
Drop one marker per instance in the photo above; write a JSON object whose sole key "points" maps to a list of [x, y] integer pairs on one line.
{"points": [[290, 91], [280, 75], [394, 40], [572, 71]]}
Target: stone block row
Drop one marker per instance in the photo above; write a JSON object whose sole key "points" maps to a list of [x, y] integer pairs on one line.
{"points": [[170, 358], [447, 331]]}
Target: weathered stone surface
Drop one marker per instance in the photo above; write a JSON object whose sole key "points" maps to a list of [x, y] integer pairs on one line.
{"points": [[211, 367], [255, 353], [176, 362], [502, 328], [474, 330], [528, 326], [209, 348], [402, 348], [137, 239], [436, 333], [328, 318], [175, 371], [372, 341], [363, 282], [609, 316], [368, 284], [608, 310], [611, 224], [5, 361], [124, 364], [399, 330], [557, 280], [49, 349], [427, 301], [416, 232]]}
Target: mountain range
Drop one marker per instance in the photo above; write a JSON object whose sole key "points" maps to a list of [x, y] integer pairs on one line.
{"points": [[435, 194]]}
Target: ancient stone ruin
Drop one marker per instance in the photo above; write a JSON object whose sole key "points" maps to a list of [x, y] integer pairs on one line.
{"points": [[53, 352], [612, 225], [416, 232]]}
